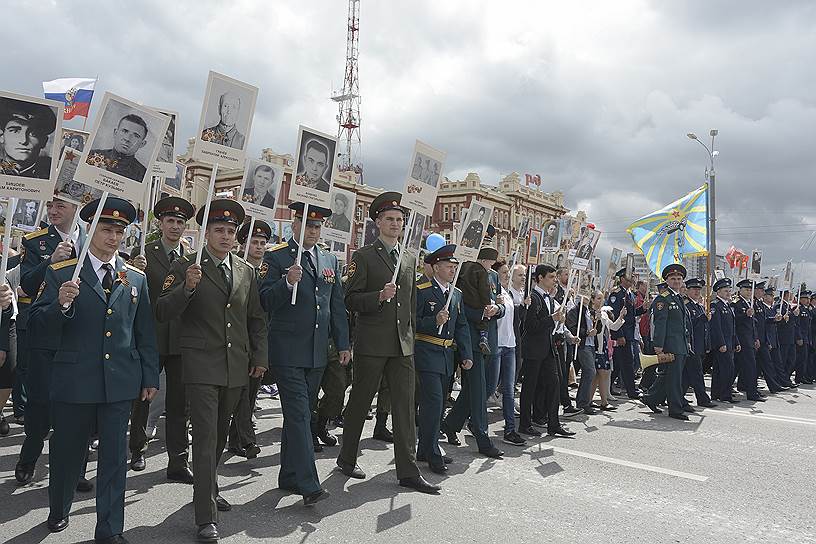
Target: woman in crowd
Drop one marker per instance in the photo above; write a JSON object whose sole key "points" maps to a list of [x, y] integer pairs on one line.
{"points": [[602, 325]]}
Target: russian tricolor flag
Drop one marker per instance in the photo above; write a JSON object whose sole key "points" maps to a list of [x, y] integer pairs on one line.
{"points": [[76, 93]]}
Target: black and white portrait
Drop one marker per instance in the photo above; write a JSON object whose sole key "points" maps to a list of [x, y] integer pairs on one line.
{"points": [[74, 139], [337, 227], [260, 188], [25, 214], [422, 181], [173, 184], [551, 235], [417, 231], [165, 165], [67, 188], [286, 231], [756, 264], [476, 226], [524, 228], [372, 232], [426, 169]]}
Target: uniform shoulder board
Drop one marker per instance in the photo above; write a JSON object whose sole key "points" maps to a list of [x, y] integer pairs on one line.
{"points": [[131, 267], [424, 285], [63, 264], [36, 234], [279, 246]]}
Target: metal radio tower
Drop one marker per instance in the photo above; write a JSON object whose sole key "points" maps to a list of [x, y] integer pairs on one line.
{"points": [[348, 100]]}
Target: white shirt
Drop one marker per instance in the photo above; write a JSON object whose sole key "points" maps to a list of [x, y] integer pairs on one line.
{"points": [[507, 336], [97, 265], [443, 287], [74, 236], [518, 296], [313, 254]]}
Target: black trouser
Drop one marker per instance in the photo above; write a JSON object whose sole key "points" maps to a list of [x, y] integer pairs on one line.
{"points": [[693, 377], [541, 379], [336, 380], [565, 354], [18, 393], [724, 374], [766, 365], [623, 358]]}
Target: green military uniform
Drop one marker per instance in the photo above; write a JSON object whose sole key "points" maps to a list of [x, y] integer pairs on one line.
{"points": [[222, 335], [105, 355], [118, 163], [159, 260], [383, 345]]}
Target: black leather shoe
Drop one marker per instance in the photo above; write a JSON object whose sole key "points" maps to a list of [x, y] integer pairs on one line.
{"points": [[709, 404], [84, 486], [207, 533], [561, 431], [636, 396], [653, 408], [453, 440], [316, 445], [115, 539], [137, 463], [529, 431], [688, 408], [185, 475], [313, 498], [57, 525], [680, 416], [438, 469], [24, 474], [381, 432], [252, 451], [326, 438], [418, 483], [757, 399], [352, 471], [4, 427], [222, 504], [493, 452]]}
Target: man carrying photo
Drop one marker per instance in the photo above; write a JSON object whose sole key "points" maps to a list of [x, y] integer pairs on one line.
{"points": [[129, 136], [24, 131], [226, 132], [313, 165]]}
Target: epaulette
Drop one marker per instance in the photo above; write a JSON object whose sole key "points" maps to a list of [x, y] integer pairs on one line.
{"points": [[424, 285], [36, 234], [63, 264], [131, 267], [279, 246]]}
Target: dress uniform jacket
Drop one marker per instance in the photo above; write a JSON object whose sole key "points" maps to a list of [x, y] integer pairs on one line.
{"points": [[699, 327], [222, 326], [722, 326], [761, 322], [433, 351], [785, 328], [672, 325], [299, 334], [617, 300], [771, 326], [744, 326]]}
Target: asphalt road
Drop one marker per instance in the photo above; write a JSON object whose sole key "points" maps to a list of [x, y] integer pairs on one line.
{"points": [[737, 474]]}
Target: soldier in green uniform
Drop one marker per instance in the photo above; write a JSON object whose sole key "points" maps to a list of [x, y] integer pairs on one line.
{"points": [[384, 342], [241, 433], [105, 357], [671, 333], [434, 350], [129, 136], [172, 213], [299, 339], [223, 342]]}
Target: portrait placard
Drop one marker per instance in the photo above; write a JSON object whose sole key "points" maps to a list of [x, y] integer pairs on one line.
{"points": [[30, 138], [533, 246], [337, 227], [756, 265], [415, 238], [75, 139], [371, 233], [226, 121], [165, 165], [551, 235], [474, 228], [69, 189], [719, 274], [570, 232], [25, 215], [524, 228], [338, 249], [123, 145], [422, 181], [315, 168], [286, 231], [190, 237], [788, 275], [173, 185], [630, 265], [260, 188], [584, 249]]}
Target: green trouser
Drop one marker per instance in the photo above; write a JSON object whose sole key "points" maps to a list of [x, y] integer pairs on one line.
{"points": [[242, 433], [336, 380]]}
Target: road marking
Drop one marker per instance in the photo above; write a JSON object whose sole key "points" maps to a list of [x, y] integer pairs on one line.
{"points": [[761, 415], [632, 464]]}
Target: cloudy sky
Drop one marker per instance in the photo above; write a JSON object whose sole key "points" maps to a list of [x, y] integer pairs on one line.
{"points": [[596, 97]]}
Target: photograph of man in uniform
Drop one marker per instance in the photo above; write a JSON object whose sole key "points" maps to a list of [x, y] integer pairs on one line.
{"points": [[73, 139], [315, 161], [24, 131], [550, 237], [756, 263], [339, 218], [261, 187], [534, 247], [166, 150], [25, 215], [426, 169], [372, 232], [225, 132], [129, 136], [175, 182], [472, 237], [586, 246]]}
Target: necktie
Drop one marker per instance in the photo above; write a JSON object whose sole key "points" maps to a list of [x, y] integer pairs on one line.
{"points": [[308, 255], [172, 256], [394, 256], [225, 273], [107, 280]]}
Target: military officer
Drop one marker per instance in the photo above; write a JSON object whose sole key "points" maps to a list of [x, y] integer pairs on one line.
{"points": [[222, 338], [384, 342], [803, 338], [172, 213], [624, 337], [786, 335], [772, 326], [434, 350], [105, 357], [472, 400], [299, 356], [671, 333], [129, 136], [51, 245], [763, 353], [724, 342], [693, 369], [745, 327], [241, 433]]}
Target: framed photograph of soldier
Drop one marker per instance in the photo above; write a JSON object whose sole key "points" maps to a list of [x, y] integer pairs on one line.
{"points": [[172, 184], [260, 188], [285, 231], [474, 225], [422, 182], [415, 238], [630, 265], [338, 249], [371, 232], [337, 227], [533, 246], [122, 147], [551, 235], [74, 139], [226, 121], [524, 227], [165, 165], [570, 231], [756, 265], [719, 274], [614, 264], [30, 138], [787, 276], [582, 259], [25, 215], [67, 187], [315, 168], [190, 237], [133, 235]]}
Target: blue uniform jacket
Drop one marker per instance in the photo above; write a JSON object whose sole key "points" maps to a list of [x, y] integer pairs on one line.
{"points": [[431, 357], [771, 326], [699, 327], [803, 325], [785, 329], [743, 324], [299, 335], [761, 322], [617, 300], [106, 350], [722, 326]]}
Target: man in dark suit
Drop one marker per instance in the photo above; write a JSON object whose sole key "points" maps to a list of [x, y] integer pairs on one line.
{"points": [[624, 337], [786, 334], [763, 353], [105, 357], [299, 338], [745, 328], [803, 338], [222, 338], [384, 342], [772, 319], [724, 342], [693, 369], [172, 213]]}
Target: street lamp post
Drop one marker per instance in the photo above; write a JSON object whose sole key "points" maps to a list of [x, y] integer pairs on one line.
{"points": [[711, 208]]}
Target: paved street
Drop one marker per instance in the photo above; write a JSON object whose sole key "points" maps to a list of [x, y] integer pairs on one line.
{"points": [[737, 474]]}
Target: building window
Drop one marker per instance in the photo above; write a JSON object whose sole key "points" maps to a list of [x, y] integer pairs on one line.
{"points": [[445, 213], [447, 237], [502, 246], [359, 215], [360, 238], [454, 209]]}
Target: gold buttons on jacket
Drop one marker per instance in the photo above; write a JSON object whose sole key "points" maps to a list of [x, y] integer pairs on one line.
{"points": [[107, 356], [229, 344], [229, 325], [110, 311], [228, 305], [108, 334]]}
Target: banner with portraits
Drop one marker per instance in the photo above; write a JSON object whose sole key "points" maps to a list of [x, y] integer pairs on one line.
{"points": [[422, 181], [165, 165], [30, 139], [337, 227], [315, 168], [172, 185], [581, 255], [226, 121], [67, 187], [474, 228], [260, 188], [123, 145]]}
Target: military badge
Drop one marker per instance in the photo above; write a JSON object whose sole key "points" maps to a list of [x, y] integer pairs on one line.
{"points": [[41, 289], [612, 299], [432, 304], [328, 275], [42, 246], [122, 278], [264, 270], [168, 281], [352, 268], [659, 306]]}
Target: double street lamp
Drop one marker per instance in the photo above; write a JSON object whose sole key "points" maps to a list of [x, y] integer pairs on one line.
{"points": [[711, 233]]}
